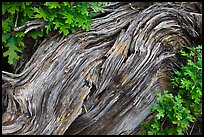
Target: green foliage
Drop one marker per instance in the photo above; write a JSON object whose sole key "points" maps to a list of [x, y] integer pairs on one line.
{"points": [[179, 110], [65, 17], [11, 52]]}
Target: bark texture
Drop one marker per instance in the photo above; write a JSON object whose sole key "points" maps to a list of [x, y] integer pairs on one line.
{"points": [[102, 81]]}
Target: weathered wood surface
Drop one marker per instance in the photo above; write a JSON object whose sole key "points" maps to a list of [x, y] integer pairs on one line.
{"points": [[102, 81]]}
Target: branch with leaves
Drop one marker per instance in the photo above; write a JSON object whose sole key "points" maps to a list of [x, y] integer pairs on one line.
{"points": [[36, 19]]}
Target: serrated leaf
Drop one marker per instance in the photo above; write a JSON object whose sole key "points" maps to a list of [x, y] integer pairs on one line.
{"points": [[48, 28], [156, 125], [178, 99], [95, 8], [28, 3], [19, 41], [84, 10], [66, 4], [198, 90], [67, 16], [178, 116], [192, 53], [169, 131], [183, 53], [73, 30], [79, 20], [160, 113], [23, 6], [35, 9], [35, 34], [64, 30], [52, 17], [195, 96], [4, 8], [11, 52], [41, 13], [88, 27], [52, 5], [178, 73], [5, 37], [13, 7], [28, 12], [152, 132], [57, 23], [179, 131], [153, 108], [68, 20], [19, 34], [5, 26]]}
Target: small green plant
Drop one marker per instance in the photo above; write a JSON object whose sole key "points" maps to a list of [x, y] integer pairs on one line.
{"points": [[65, 17], [175, 112]]}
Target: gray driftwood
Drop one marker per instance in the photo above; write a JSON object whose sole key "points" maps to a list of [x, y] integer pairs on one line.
{"points": [[102, 81]]}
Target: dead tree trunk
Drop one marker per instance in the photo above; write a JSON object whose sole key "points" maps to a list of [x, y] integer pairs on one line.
{"points": [[102, 81]]}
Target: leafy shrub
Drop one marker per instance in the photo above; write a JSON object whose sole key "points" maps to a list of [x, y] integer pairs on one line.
{"points": [[174, 113], [65, 17]]}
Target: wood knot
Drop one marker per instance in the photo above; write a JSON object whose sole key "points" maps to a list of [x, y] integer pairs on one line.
{"points": [[6, 117], [120, 48]]}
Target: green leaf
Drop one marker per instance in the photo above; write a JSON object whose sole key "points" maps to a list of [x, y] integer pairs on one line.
{"points": [[11, 52], [179, 131], [23, 6], [19, 34], [95, 8], [156, 125], [52, 5], [68, 17], [190, 118], [183, 53], [5, 37], [195, 96], [57, 23], [28, 12], [160, 113], [28, 3], [4, 8], [184, 83], [192, 53], [66, 4], [178, 99], [48, 28], [13, 7], [79, 20], [169, 131], [19, 41], [41, 13], [73, 30], [64, 30], [84, 10], [156, 107], [178, 116], [68, 20], [87, 27], [152, 132], [35, 34], [184, 106], [52, 17], [6, 25]]}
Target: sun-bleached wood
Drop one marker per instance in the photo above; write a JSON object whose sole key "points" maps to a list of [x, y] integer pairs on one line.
{"points": [[102, 81]]}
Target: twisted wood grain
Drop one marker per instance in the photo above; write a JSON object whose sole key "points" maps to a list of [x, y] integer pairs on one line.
{"points": [[102, 81]]}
